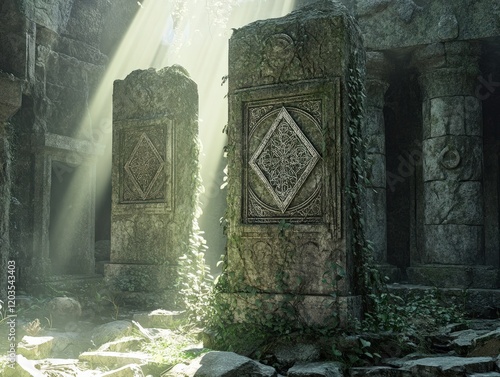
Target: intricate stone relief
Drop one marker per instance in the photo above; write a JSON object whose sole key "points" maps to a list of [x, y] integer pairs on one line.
{"points": [[144, 174], [144, 166], [284, 159], [284, 172]]}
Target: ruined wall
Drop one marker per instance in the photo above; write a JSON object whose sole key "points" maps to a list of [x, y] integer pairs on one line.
{"points": [[57, 49]]}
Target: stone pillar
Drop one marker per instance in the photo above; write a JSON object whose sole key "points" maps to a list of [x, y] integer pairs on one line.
{"points": [[293, 82], [10, 102], [375, 210], [452, 169], [154, 182]]}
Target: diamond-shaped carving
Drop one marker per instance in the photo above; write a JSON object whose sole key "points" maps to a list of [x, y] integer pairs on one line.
{"points": [[284, 159], [144, 165]]}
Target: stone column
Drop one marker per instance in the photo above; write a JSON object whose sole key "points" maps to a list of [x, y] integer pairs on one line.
{"points": [[374, 135], [452, 168], [293, 83], [154, 183], [10, 102]]}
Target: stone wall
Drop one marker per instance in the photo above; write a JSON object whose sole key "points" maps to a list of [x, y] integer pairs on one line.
{"points": [[58, 51]]}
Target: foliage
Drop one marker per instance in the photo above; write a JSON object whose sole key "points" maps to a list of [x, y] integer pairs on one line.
{"points": [[417, 313], [195, 281]]}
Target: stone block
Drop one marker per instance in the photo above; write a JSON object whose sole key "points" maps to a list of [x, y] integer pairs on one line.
{"points": [[375, 222], [154, 178], [487, 345], [317, 369], [111, 331], [461, 277], [452, 202], [450, 366], [125, 344], [159, 318], [447, 117], [35, 347], [453, 157], [453, 244], [132, 370], [114, 359], [376, 171], [288, 164], [230, 364], [10, 96]]}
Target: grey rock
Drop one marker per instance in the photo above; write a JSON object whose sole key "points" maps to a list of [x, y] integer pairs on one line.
{"points": [[111, 331], [64, 310], [131, 370], [159, 318], [289, 354], [35, 347], [450, 366], [318, 369], [487, 344], [128, 343], [489, 374], [114, 359], [379, 372], [229, 364], [448, 27]]}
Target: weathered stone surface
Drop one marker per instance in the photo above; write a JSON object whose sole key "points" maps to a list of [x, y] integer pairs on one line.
{"points": [[111, 331], [450, 202], [489, 374], [280, 162], [453, 244], [64, 310], [453, 158], [318, 369], [289, 354], [102, 250], [154, 178], [132, 370], [379, 372], [449, 276], [229, 364], [35, 347], [450, 366], [159, 318], [128, 343], [23, 368], [487, 344], [114, 359]]}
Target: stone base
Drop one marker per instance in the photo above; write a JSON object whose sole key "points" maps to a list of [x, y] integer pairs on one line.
{"points": [[448, 276], [478, 303], [310, 310], [392, 273], [144, 285]]}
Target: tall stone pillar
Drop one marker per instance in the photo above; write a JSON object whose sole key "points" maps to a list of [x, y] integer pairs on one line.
{"points": [[10, 102], [452, 169], [294, 83], [375, 211], [154, 183]]}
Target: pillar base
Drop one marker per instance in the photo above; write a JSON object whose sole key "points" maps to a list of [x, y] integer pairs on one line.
{"points": [[455, 276], [150, 286], [392, 273], [310, 310]]}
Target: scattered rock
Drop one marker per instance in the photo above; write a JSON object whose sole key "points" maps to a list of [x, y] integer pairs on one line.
{"points": [[184, 370], [437, 366], [289, 354], [68, 344], [462, 341], [64, 310], [379, 372], [132, 370], [318, 369], [489, 374], [161, 319], [35, 347], [487, 345], [111, 331], [114, 359], [23, 368], [128, 343], [230, 364]]}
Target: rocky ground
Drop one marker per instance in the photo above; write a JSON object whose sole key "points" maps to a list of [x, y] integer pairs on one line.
{"points": [[139, 344]]}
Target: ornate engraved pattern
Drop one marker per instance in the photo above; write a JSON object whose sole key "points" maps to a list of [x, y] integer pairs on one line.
{"points": [[284, 159], [313, 108], [144, 166], [256, 114]]}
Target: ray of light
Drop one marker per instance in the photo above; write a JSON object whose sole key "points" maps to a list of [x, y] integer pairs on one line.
{"points": [[190, 33]]}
